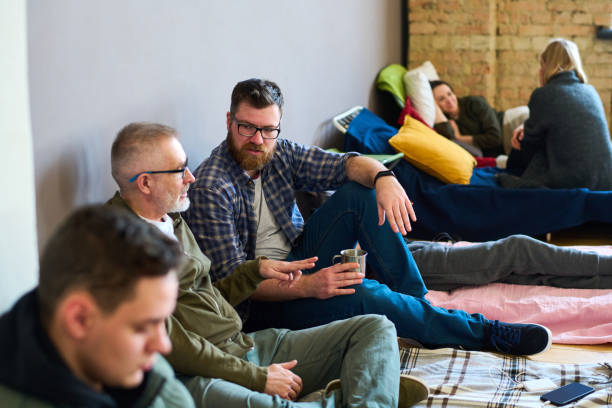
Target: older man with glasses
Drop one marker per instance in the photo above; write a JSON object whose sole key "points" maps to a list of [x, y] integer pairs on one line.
{"points": [[221, 365]]}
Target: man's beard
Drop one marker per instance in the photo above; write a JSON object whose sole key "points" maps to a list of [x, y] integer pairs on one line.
{"points": [[177, 205], [245, 159], [180, 206]]}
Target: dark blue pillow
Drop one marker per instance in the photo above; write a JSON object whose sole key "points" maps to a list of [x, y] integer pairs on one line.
{"points": [[369, 134]]}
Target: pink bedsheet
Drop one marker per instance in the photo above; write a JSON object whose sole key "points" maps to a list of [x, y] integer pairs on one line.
{"points": [[574, 316]]}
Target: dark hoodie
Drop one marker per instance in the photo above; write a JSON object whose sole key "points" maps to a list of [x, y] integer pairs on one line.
{"points": [[30, 365]]}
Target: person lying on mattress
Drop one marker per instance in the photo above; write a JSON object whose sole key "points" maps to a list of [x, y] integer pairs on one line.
{"points": [[470, 119], [565, 143], [243, 206]]}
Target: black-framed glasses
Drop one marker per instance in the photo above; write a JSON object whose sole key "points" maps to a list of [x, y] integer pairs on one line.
{"points": [[183, 170], [249, 130]]}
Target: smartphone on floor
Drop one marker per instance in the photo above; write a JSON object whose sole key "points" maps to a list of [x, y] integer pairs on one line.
{"points": [[568, 393]]}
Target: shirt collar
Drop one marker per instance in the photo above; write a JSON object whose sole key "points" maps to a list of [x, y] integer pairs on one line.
{"points": [[166, 225]]}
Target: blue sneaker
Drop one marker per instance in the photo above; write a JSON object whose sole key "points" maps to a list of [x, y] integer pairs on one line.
{"points": [[517, 339]]}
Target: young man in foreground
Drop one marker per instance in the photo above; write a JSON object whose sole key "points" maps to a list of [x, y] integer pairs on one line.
{"points": [[90, 333]]}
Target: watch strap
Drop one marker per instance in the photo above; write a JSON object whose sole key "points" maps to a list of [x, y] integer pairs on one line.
{"points": [[383, 173]]}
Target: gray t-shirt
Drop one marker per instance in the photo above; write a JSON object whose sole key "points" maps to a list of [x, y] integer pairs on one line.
{"points": [[271, 241]]}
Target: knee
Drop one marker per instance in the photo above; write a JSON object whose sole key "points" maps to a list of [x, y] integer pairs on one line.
{"points": [[518, 242], [353, 190], [379, 332], [379, 325], [374, 297]]}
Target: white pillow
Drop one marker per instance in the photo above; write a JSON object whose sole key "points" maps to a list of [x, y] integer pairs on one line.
{"points": [[428, 69], [418, 89]]}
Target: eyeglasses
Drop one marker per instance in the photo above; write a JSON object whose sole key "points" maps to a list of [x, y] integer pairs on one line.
{"points": [[183, 170], [249, 130]]}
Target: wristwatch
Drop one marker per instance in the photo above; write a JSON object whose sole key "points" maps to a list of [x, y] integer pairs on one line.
{"points": [[383, 173]]}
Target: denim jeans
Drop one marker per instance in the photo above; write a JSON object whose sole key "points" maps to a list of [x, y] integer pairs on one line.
{"points": [[361, 351], [350, 215]]}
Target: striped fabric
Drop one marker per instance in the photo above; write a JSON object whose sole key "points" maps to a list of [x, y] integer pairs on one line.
{"points": [[477, 379]]}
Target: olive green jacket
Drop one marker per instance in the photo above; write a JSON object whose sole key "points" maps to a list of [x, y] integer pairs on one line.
{"points": [[205, 329]]}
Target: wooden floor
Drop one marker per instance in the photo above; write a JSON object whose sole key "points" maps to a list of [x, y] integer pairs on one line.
{"points": [[580, 354], [587, 234]]}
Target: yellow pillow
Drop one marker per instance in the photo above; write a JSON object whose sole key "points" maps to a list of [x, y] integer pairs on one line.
{"points": [[433, 153]]}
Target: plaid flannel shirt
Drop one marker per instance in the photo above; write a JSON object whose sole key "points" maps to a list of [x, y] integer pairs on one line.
{"points": [[221, 215]]}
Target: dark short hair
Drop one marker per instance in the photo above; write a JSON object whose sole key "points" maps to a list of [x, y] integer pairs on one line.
{"points": [[436, 83], [258, 93], [103, 250]]}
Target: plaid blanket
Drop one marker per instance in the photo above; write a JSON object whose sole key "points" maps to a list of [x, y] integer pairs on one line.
{"points": [[460, 378]]}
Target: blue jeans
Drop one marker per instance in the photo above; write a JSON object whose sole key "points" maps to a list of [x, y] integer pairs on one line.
{"points": [[350, 215], [361, 351]]}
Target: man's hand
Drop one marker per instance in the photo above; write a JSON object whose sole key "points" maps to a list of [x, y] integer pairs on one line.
{"points": [[282, 382], [517, 137], [332, 281], [286, 272], [394, 204]]}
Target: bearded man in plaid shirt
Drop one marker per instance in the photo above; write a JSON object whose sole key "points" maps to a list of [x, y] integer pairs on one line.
{"points": [[243, 206]]}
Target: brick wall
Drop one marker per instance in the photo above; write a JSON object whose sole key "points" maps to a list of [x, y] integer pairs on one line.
{"points": [[490, 47]]}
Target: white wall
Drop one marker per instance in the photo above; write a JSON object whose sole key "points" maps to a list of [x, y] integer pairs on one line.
{"points": [[97, 65], [18, 253]]}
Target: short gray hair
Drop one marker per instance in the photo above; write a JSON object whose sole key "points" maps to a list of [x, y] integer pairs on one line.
{"points": [[131, 143]]}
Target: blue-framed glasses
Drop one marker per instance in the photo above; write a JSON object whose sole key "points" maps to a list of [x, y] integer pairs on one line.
{"points": [[183, 170], [249, 130]]}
